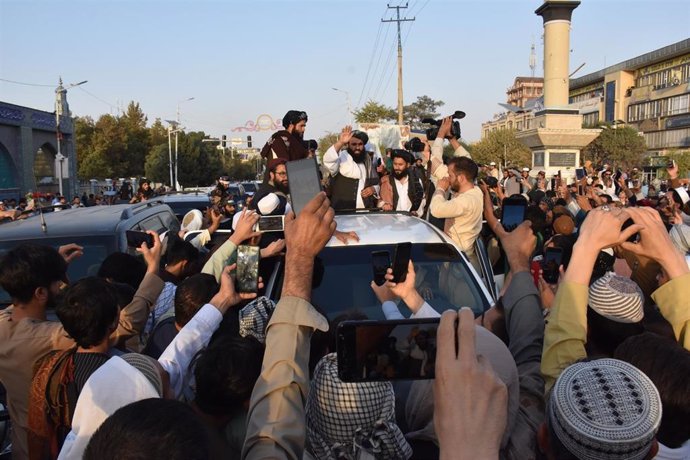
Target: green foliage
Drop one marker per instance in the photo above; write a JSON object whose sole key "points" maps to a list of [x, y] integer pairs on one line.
{"points": [[373, 112], [325, 142], [493, 147], [241, 170], [423, 107], [157, 168], [157, 133], [622, 147]]}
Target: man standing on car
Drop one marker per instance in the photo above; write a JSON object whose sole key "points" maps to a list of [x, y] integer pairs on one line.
{"points": [[403, 190], [463, 209], [288, 143], [355, 181]]}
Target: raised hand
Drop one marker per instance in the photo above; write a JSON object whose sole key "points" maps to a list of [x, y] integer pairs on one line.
{"points": [[472, 418]]}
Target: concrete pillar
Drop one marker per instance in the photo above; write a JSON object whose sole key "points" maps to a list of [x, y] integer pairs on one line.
{"points": [[556, 15]]}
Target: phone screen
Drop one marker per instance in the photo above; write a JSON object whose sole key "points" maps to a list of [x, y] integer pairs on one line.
{"points": [[514, 210], [387, 350], [550, 265], [580, 173], [247, 269], [380, 263], [303, 177], [401, 261], [270, 224], [136, 238]]}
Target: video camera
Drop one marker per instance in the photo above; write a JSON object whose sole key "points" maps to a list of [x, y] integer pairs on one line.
{"points": [[414, 145], [431, 133]]}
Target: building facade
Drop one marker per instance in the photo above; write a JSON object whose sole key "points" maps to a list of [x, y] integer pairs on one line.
{"points": [[651, 93]]}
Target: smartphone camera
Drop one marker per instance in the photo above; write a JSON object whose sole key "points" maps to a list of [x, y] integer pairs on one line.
{"points": [[380, 263]]}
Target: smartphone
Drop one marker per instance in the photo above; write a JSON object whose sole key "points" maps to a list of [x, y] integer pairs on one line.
{"points": [[630, 184], [247, 279], [371, 351], [136, 238], [671, 164], [553, 257], [271, 224], [581, 190], [401, 260], [663, 187], [514, 210], [580, 173], [305, 184], [380, 263], [553, 183], [635, 237]]}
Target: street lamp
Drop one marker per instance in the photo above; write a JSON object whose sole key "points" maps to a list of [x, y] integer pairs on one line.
{"points": [[60, 96], [177, 183], [172, 128], [347, 95]]}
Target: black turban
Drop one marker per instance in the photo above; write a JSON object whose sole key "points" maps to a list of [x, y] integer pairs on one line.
{"points": [[404, 154], [292, 117], [362, 136]]}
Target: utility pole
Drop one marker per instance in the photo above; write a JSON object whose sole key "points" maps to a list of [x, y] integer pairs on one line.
{"points": [[400, 88]]}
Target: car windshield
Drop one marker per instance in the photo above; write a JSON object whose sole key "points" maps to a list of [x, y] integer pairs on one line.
{"points": [[96, 249], [343, 275], [249, 187]]}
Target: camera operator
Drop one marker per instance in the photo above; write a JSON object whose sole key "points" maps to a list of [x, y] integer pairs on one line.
{"points": [[438, 169]]}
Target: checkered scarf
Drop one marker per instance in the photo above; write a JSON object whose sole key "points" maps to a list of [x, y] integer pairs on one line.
{"points": [[352, 420], [254, 318]]}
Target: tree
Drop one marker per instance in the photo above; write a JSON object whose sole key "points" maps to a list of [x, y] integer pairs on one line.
{"points": [[499, 145], [137, 139], [424, 107], [622, 146], [325, 142], [373, 112], [157, 133], [157, 168]]}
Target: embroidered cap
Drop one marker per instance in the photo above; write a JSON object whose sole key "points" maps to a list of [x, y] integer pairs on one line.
{"points": [[617, 298], [147, 366], [605, 410]]}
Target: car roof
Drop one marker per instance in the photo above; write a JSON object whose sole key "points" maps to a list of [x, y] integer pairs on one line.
{"points": [[92, 220], [387, 228], [184, 197]]}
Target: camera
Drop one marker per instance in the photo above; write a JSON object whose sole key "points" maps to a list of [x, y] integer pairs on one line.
{"points": [[414, 145], [455, 132]]}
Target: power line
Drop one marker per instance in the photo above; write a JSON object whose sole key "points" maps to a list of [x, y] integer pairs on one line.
{"points": [[99, 99], [25, 84], [371, 61], [378, 62], [390, 78], [384, 72], [398, 20]]}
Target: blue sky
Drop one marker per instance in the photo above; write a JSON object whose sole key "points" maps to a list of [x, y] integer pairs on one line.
{"points": [[240, 59]]}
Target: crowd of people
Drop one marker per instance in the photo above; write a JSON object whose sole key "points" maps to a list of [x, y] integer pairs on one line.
{"points": [[159, 356]]}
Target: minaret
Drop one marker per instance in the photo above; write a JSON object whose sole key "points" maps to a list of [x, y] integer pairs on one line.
{"points": [[61, 105]]}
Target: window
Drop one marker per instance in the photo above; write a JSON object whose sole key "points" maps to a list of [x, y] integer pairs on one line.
{"points": [[660, 108]]}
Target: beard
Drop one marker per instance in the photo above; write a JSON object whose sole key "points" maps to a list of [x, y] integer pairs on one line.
{"points": [[400, 174], [282, 187], [358, 157]]}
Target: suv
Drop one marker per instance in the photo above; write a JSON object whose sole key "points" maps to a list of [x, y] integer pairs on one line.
{"points": [[183, 202], [99, 229], [343, 273]]}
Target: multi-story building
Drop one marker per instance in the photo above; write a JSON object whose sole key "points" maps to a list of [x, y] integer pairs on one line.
{"points": [[650, 92], [521, 99]]}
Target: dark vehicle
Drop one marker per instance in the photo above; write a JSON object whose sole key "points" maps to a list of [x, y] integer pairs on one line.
{"points": [[101, 230], [183, 202], [238, 194]]}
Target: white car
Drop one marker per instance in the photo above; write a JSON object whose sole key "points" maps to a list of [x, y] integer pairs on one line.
{"points": [[343, 273]]}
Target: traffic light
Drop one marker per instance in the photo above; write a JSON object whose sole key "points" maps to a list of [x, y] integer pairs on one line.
{"points": [[249, 142], [223, 141]]}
